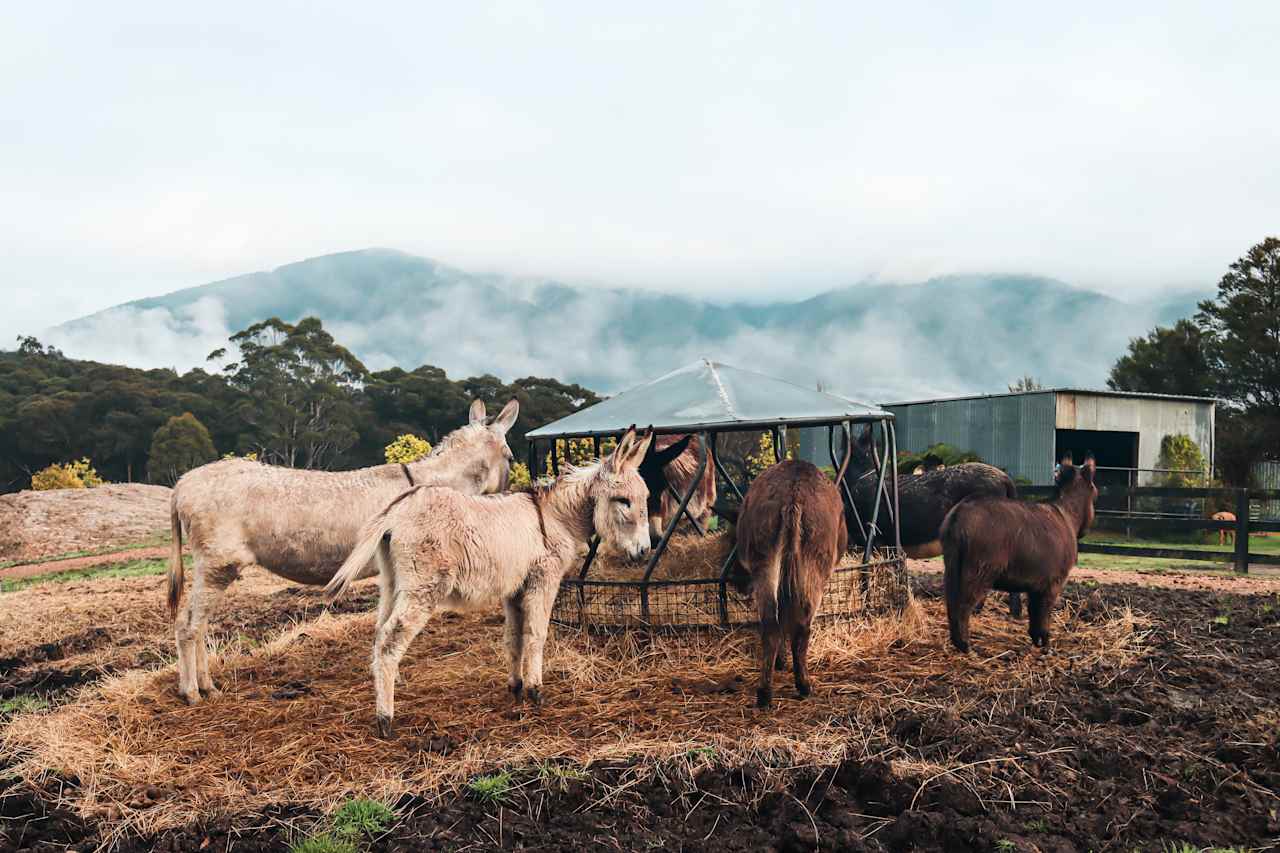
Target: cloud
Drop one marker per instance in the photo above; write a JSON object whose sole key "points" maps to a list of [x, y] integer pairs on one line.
{"points": [[179, 338]]}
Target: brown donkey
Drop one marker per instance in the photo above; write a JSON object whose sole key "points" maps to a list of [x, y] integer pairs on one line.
{"points": [[1005, 544], [791, 533]]}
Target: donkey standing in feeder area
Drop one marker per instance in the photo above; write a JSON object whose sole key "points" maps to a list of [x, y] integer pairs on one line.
{"points": [[672, 461], [439, 550], [1006, 544], [790, 535], [923, 500], [299, 524]]}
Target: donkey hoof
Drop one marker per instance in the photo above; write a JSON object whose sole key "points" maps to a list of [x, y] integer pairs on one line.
{"points": [[804, 688], [534, 695], [764, 698], [192, 698], [516, 687], [384, 727]]}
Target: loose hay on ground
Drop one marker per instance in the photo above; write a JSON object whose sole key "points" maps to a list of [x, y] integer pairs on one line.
{"points": [[295, 722]]}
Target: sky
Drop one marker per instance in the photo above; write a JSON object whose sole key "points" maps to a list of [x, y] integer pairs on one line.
{"points": [[728, 150]]}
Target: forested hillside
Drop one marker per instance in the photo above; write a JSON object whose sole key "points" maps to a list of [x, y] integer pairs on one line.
{"points": [[338, 414]]}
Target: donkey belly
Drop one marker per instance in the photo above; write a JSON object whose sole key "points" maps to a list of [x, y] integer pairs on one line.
{"points": [[306, 559]]}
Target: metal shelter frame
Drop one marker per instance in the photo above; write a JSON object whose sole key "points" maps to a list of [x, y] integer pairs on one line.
{"points": [[708, 433]]}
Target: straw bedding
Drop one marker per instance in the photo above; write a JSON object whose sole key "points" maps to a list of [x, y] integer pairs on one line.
{"points": [[295, 722]]}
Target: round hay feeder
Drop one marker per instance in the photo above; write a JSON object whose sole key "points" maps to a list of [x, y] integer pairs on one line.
{"points": [[712, 400]]}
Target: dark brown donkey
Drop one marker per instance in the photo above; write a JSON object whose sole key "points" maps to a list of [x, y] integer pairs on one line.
{"points": [[672, 461], [791, 534], [999, 543], [924, 499]]}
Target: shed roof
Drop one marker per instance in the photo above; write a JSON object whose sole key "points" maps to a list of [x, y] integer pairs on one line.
{"points": [[1092, 392], [710, 395]]}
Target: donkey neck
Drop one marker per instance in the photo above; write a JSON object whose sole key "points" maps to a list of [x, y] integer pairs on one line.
{"points": [[1072, 504], [569, 504]]}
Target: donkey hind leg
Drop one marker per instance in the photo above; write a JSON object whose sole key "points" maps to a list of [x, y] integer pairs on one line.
{"points": [[800, 632], [409, 613], [539, 597], [207, 586], [513, 635], [1038, 610], [965, 591]]}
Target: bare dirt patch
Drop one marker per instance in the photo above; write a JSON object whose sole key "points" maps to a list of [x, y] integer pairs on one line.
{"points": [[59, 521]]}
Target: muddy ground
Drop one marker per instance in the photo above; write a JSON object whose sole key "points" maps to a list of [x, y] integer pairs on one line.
{"points": [[1182, 745]]}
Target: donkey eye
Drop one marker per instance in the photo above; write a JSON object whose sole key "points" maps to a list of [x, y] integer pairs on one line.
{"points": [[624, 501]]}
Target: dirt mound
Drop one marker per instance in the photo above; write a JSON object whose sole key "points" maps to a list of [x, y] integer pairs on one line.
{"points": [[59, 521]]}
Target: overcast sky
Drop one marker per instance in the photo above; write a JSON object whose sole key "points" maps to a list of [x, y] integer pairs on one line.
{"points": [[727, 149]]}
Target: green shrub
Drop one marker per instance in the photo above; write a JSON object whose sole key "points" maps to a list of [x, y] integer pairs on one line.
{"points": [[578, 451], [178, 445], [78, 474]]}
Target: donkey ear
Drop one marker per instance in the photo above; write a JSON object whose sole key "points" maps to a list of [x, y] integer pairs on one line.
{"points": [[1089, 468], [624, 447], [477, 412], [664, 457], [630, 457], [506, 418]]}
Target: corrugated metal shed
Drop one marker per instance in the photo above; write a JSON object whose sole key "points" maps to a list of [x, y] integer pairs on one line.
{"points": [[1019, 431]]}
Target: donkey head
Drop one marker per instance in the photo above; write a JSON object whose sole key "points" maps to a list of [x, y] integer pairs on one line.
{"points": [[480, 449], [620, 496], [653, 471], [1075, 485]]}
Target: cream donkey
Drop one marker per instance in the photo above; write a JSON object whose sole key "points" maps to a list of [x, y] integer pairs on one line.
{"points": [[299, 524], [439, 550]]}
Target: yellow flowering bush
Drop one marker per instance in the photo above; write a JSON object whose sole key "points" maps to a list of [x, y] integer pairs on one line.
{"points": [[77, 474], [407, 448]]}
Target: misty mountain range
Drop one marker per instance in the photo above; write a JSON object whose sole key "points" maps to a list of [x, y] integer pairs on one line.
{"points": [[950, 335]]}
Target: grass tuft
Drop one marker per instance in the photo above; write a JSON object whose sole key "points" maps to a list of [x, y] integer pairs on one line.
{"points": [[368, 818], [323, 843], [22, 704], [493, 788]]}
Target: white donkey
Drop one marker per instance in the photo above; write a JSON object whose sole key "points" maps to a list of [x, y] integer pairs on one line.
{"points": [[439, 550], [300, 524]]}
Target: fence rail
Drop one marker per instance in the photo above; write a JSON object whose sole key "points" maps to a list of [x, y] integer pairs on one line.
{"points": [[1240, 501]]}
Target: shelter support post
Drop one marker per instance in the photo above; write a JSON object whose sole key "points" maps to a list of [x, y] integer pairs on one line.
{"points": [[851, 509], [1242, 531], [723, 586], [660, 549]]}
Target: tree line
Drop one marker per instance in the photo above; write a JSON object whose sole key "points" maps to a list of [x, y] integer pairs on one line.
{"points": [[287, 394], [1230, 349]]}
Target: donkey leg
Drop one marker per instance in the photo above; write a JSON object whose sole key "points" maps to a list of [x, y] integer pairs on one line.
{"points": [[1038, 609], [1015, 605], [184, 638], [770, 640], [409, 614], [538, 600], [513, 635], [215, 580], [800, 656]]}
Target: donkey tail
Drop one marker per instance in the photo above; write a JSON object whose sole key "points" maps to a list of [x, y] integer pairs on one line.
{"points": [[370, 538], [176, 570], [794, 591]]}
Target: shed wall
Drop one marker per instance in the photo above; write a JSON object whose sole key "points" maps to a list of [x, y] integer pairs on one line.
{"points": [[1152, 419], [1015, 432]]}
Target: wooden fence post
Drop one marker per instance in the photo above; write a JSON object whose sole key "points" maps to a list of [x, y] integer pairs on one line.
{"points": [[1242, 531]]}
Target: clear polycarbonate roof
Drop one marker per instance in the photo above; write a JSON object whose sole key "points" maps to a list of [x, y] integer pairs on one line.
{"points": [[709, 395]]}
